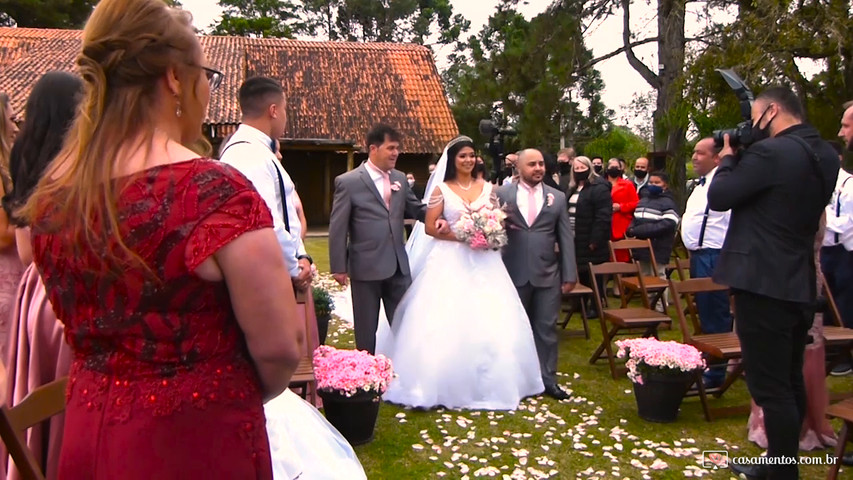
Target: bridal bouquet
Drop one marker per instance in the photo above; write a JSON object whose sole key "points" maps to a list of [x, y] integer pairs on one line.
{"points": [[482, 228], [349, 372]]}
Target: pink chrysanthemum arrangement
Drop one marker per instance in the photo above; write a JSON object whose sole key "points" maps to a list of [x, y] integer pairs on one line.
{"points": [[647, 354], [349, 372]]}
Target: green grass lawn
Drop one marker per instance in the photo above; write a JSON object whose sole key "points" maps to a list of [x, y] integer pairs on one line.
{"points": [[595, 435]]}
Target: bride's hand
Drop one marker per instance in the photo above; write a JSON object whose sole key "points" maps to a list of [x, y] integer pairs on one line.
{"points": [[442, 226]]}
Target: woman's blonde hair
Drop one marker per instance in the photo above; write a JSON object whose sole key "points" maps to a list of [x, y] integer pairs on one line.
{"points": [[586, 161], [5, 146], [128, 47]]}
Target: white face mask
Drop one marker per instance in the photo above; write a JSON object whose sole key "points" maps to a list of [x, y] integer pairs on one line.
{"points": [[411, 182]]}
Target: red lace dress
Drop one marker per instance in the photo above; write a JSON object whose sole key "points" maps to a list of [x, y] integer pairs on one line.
{"points": [[161, 385]]}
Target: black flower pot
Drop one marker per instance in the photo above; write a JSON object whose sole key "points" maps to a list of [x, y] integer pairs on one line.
{"points": [[659, 396], [355, 417], [323, 326]]}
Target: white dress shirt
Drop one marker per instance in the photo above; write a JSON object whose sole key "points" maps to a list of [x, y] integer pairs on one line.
{"points": [[839, 214], [372, 170], [694, 214], [521, 199], [258, 163]]}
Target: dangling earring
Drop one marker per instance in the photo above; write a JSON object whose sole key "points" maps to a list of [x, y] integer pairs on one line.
{"points": [[178, 111]]}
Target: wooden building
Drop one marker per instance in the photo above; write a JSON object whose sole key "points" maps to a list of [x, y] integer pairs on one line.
{"points": [[335, 91]]}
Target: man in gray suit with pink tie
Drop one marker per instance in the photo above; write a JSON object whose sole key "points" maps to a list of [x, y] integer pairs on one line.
{"points": [[366, 235]]}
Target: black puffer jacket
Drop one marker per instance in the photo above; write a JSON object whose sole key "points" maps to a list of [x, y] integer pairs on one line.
{"points": [[656, 218], [592, 223]]}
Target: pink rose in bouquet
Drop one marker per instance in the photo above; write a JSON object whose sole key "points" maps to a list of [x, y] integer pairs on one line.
{"points": [[482, 228], [349, 372], [646, 354]]}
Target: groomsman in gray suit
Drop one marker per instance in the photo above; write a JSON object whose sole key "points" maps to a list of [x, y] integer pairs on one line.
{"points": [[366, 242], [538, 221]]}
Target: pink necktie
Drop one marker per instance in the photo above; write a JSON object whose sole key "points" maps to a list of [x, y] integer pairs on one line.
{"points": [[386, 188], [531, 206]]}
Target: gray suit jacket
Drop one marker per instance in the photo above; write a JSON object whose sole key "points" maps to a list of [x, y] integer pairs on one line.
{"points": [[365, 238], [530, 255]]}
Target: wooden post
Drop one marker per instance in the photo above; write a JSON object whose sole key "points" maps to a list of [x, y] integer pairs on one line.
{"points": [[327, 186], [350, 160]]}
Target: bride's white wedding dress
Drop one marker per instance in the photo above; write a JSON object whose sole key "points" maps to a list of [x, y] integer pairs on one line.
{"points": [[460, 337]]}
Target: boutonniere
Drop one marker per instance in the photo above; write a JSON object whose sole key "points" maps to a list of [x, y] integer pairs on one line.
{"points": [[395, 187], [550, 199]]}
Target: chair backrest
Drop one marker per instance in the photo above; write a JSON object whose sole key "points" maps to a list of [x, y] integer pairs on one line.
{"points": [[630, 244], [682, 266], [618, 269], [38, 406], [684, 290]]}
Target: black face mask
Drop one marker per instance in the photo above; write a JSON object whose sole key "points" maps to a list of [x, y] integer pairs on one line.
{"points": [[565, 168], [640, 174], [760, 133], [597, 168], [614, 172], [581, 176]]}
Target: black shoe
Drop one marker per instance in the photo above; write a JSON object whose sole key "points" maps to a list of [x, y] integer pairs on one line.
{"points": [[841, 369], [751, 472], [847, 460], [556, 392]]}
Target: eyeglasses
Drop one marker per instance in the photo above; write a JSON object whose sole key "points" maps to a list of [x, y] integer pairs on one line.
{"points": [[214, 77]]}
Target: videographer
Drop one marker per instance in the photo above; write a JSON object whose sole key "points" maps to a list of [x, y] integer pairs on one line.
{"points": [[777, 189]]}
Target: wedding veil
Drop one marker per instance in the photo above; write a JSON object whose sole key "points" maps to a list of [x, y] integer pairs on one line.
{"points": [[420, 244]]}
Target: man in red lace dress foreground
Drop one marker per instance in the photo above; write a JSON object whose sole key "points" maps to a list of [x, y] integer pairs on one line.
{"points": [[163, 267]]}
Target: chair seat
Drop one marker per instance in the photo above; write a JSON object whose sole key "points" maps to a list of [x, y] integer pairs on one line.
{"points": [[579, 291], [842, 410], [304, 372], [720, 345], [837, 336], [635, 317], [652, 283]]}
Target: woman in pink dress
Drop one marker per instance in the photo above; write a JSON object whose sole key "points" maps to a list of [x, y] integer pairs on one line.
{"points": [[817, 432], [38, 353], [11, 267], [162, 265]]}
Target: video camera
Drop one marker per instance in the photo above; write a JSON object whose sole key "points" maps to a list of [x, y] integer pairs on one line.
{"points": [[741, 134], [496, 143]]}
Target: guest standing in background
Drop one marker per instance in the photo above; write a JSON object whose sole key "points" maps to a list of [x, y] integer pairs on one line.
{"points": [[163, 267], [625, 199], [590, 213], [38, 353], [11, 268]]}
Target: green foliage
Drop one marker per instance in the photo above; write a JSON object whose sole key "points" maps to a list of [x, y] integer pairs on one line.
{"points": [[257, 18], [618, 142], [382, 20], [45, 13], [523, 74], [323, 302]]}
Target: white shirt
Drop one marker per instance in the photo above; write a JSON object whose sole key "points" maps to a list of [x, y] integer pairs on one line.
{"points": [[521, 199], [839, 213], [694, 214], [376, 177], [258, 163]]}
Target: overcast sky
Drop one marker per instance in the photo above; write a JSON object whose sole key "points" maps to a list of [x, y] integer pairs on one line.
{"points": [[622, 82]]}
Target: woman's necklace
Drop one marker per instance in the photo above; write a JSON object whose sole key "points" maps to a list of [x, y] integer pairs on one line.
{"points": [[465, 188]]}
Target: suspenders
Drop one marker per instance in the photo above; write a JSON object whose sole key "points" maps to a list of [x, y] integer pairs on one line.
{"points": [[280, 186]]}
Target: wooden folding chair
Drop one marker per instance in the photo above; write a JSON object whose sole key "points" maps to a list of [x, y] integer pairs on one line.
{"points": [[838, 338], [653, 284], [38, 406], [843, 411], [720, 346], [624, 321], [577, 296], [303, 377]]}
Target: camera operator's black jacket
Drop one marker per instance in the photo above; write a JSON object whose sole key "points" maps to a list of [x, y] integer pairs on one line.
{"points": [[777, 200]]}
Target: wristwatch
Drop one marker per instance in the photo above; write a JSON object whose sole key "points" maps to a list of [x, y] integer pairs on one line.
{"points": [[307, 257]]}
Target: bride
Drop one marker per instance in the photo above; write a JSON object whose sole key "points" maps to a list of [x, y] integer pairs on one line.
{"points": [[460, 336]]}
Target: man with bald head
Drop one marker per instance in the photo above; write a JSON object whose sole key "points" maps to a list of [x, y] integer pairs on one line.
{"points": [[537, 223], [703, 232], [641, 173]]}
